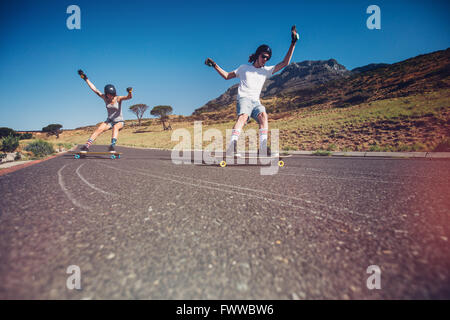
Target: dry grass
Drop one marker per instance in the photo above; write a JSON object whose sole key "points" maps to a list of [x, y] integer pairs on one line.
{"points": [[413, 123]]}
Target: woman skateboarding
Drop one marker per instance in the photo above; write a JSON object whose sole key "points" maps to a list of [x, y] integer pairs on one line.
{"points": [[252, 77], [115, 119]]}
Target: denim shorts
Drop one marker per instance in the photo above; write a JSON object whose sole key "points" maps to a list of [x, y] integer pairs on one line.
{"points": [[112, 123], [250, 107]]}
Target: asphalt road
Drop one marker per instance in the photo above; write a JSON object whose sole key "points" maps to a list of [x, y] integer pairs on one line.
{"points": [[144, 228]]}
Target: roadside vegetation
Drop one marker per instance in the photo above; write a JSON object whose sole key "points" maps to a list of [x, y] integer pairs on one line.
{"points": [[414, 123]]}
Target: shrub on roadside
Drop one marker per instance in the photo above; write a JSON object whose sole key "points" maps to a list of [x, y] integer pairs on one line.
{"points": [[10, 143], [25, 136], [65, 145], [40, 148], [324, 153], [5, 132]]}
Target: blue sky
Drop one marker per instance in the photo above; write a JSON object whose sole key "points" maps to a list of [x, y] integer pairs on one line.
{"points": [[159, 47]]}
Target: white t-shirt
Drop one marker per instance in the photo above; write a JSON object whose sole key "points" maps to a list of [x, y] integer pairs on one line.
{"points": [[252, 80]]}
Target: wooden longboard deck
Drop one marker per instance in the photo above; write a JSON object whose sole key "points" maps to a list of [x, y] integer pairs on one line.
{"points": [[281, 156], [222, 160], [84, 152]]}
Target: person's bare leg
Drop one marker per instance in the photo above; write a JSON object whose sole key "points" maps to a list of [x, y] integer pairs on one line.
{"points": [[241, 121], [116, 129], [263, 121], [115, 134], [102, 127]]}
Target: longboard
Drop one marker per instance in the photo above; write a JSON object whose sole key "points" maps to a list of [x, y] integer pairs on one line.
{"points": [[82, 154], [223, 163]]}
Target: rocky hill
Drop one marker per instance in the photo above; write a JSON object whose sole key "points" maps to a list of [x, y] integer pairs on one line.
{"points": [[370, 67], [328, 84], [293, 77]]}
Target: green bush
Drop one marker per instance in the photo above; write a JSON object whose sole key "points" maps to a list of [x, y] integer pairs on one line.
{"points": [[322, 153], [65, 145], [5, 132], [25, 136], [40, 148], [375, 148], [10, 143], [288, 148]]}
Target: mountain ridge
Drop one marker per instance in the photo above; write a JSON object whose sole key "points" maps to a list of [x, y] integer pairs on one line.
{"points": [[327, 83]]}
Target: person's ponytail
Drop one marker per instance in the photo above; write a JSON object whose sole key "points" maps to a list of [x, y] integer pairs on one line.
{"points": [[252, 58]]}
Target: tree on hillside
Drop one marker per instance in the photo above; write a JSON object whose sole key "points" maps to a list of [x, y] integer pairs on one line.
{"points": [[163, 113], [5, 132], [139, 110], [53, 130]]}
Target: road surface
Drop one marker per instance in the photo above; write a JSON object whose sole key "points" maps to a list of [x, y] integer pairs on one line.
{"points": [[143, 227]]}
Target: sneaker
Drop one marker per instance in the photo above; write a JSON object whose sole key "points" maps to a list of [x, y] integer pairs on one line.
{"points": [[111, 148], [232, 150], [84, 148]]}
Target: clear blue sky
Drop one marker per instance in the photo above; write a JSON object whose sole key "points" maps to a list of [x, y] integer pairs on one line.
{"points": [[158, 48]]}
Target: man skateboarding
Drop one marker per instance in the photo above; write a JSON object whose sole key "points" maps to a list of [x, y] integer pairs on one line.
{"points": [[252, 77], [115, 119]]}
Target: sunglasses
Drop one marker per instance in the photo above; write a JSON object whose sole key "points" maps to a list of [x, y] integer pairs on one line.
{"points": [[265, 57]]}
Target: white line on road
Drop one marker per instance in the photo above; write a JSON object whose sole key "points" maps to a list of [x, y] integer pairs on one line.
{"points": [[66, 191], [242, 188], [230, 191], [90, 184], [338, 178], [280, 195]]}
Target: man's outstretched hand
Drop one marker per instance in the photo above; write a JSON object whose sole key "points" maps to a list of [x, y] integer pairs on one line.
{"points": [[209, 62], [129, 89], [82, 75], [294, 34]]}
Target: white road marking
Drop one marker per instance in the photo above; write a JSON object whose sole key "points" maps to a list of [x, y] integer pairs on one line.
{"points": [[338, 178], [284, 204], [242, 188], [90, 184], [66, 191]]}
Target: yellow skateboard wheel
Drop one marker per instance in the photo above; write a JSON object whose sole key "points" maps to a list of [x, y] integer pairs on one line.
{"points": [[223, 164], [281, 163]]}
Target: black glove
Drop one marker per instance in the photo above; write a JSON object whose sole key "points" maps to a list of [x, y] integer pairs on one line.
{"points": [[294, 34], [129, 89], [82, 75], [209, 62]]}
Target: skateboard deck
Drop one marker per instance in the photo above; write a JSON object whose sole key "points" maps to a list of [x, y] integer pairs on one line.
{"points": [[223, 163], [82, 154], [280, 156]]}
